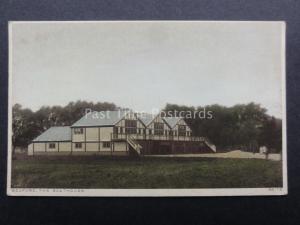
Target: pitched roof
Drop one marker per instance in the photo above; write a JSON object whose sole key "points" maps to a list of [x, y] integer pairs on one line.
{"points": [[172, 121], [103, 118], [55, 134], [146, 118]]}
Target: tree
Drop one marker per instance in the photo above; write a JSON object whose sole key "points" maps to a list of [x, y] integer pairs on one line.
{"points": [[27, 125], [239, 126], [21, 126], [17, 123], [271, 134]]}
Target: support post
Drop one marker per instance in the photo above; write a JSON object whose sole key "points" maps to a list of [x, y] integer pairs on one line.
{"points": [[85, 139], [111, 149], [99, 139], [71, 141]]}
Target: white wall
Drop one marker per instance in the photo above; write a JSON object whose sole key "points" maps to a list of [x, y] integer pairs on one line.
{"points": [[120, 146], [39, 147], [65, 147], [130, 116], [77, 137], [92, 133], [105, 133], [92, 147], [77, 149], [48, 149], [44, 147], [30, 149], [181, 122], [166, 128], [102, 149]]}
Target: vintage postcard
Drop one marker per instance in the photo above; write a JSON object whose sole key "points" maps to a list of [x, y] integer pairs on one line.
{"points": [[147, 108]]}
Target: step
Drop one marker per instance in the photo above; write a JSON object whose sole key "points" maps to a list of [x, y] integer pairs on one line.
{"points": [[134, 145], [211, 146]]}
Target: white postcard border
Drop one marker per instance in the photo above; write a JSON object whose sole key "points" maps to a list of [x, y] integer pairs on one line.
{"points": [[149, 192]]}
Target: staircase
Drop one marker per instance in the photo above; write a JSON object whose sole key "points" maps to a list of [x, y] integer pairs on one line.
{"points": [[210, 145], [136, 147]]}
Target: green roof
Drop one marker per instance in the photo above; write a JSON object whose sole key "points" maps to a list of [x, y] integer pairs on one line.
{"points": [[96, 119], [103, 118], [146, 118], [172, 121], [55, 134]]}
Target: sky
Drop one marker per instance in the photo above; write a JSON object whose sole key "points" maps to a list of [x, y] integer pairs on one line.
{"points": [[144, 65]]}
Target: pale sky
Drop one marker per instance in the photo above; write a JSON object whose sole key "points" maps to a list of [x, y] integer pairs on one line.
{"points": [[144, 65]]}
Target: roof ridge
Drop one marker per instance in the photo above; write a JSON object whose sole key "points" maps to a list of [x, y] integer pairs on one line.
{"points": [[59, 126]]}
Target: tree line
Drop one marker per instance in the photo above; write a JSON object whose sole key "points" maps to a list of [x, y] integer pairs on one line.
{"points": [[27, 124], [243, 126]]}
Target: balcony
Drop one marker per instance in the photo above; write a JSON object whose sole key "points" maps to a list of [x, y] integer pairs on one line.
{"points": [[123, 137]]}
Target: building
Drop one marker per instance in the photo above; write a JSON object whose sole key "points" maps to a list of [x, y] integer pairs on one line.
{"points": [[121, 133]]}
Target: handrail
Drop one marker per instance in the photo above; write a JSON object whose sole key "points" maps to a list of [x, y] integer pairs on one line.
{"points": [[131, 138], [115, 136], [135, 145]]}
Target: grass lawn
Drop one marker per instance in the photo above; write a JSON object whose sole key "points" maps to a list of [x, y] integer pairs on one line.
{"points": [[97, 172]]}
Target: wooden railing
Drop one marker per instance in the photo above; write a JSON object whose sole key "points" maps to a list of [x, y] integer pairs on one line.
{"points": [[116, 137], [134, 145]]}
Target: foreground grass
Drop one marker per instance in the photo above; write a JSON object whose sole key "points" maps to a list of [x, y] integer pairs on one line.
{"points": [[91, 172]]}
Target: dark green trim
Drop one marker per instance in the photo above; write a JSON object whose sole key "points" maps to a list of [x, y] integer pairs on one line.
{"points": [[71, 134], [48, 141], [71, 140], [93, 126], [110, 148], [85, 139], [99, 139], [90, 141]]}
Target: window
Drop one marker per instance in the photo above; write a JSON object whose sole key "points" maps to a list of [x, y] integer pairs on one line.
{"points": [[170, 133], [130, 126], [106, 144], [121, 130], [140, 131], [150, 131], [78, 145], [52, 145], [78, 130], [115, 130], [158, 128], [181, 130]]}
